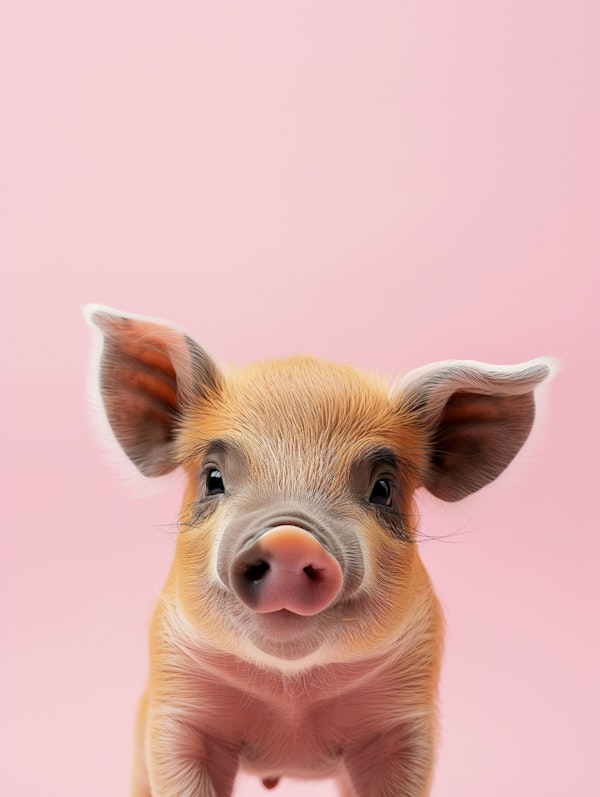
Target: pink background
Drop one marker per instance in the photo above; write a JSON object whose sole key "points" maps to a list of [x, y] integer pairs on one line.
{"points": [[381, 183]]}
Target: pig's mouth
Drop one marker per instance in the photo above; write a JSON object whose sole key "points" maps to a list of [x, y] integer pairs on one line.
{"points": [[284, 624], [287, 581], [285, 634]]}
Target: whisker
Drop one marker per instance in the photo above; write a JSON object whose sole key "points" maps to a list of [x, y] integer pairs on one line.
{"points": [[172, 529], [462, 531]]}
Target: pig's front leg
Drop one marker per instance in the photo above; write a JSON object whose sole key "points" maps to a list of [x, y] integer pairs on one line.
{"points": [[182, 762], [396, 764], [139, 786]]}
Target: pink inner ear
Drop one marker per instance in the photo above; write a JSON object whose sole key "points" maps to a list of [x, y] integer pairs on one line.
{"points": [[139, 386], [150, 372], [476, 438]]}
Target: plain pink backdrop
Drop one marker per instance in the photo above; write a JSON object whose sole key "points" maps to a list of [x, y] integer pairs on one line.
{"points": [[381, 183]]}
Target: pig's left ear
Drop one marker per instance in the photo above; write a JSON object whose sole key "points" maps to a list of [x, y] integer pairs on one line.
{"points": [[474, 418], [148, 372]]}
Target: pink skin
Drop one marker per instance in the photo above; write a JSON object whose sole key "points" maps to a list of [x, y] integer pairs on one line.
{"points": [[287, 568]]}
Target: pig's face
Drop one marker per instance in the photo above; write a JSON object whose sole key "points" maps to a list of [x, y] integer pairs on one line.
{"points": [[303, 446], [297, 532]]}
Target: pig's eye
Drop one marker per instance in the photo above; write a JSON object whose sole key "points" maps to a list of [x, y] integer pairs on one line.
{"points": [[381, 493], [214, 482]]}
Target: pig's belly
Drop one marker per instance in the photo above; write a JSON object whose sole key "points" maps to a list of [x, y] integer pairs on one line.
{"points": [[296, 758]]}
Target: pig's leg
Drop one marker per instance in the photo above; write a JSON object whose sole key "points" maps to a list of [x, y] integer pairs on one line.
{"points": [[344, 784], [396, 764], [184, 763], [139, 775]]}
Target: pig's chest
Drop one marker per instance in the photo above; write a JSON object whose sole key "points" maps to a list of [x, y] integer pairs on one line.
{"points": [[291, 739], [301, 728], [303, 735]]}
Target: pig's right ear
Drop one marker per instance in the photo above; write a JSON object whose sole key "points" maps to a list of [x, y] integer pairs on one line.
{"points": [[148, 373]]}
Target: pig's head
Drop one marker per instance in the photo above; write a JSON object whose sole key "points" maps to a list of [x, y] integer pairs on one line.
{"points": [[297, 530]]}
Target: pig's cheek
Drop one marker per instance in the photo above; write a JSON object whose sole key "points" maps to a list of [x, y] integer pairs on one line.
{"points": [[390, 572], [377, 558], [213, 535], [195, 565], [201, 536]]}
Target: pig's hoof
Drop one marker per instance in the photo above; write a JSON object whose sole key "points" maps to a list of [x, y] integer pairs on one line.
{"points": [[270, 783]]}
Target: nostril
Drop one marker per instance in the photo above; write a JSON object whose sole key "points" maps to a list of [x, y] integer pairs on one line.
{"points": [[255, 572], [311, 572]]}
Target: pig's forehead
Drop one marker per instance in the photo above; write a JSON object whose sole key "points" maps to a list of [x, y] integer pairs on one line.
{"points": [[307, 392], [297, 404]]}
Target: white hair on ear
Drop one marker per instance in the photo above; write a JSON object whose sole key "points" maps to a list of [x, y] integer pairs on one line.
{"points": [[118, 460], [552, 364]]}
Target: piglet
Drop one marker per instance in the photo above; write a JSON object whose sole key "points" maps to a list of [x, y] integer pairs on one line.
{"points": [[298, 632]]}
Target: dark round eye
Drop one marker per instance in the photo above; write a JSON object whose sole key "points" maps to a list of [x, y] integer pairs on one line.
{"points": [[214, 482], [381, 493]]}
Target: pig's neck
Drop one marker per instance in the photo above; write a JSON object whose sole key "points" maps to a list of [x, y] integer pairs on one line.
{"points": [[205, 661], [317, 682]]}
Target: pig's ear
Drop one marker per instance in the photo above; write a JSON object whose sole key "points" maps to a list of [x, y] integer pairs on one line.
{"points": [[148, 373], [474, 418]]}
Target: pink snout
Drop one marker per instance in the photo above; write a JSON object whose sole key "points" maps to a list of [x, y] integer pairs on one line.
{"points": [[286, 568]]}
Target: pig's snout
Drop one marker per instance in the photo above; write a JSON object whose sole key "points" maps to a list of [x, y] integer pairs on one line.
{"points": [[286, 568]]}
